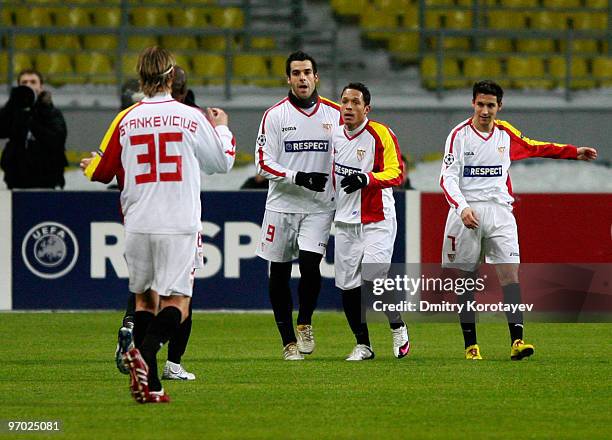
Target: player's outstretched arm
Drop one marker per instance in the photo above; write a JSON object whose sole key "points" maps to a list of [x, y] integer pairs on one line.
{"points": [[586, 153]]}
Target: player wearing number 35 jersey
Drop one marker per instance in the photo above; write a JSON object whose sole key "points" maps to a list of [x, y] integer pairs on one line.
{"points": [[476, 183], [156, 149]]}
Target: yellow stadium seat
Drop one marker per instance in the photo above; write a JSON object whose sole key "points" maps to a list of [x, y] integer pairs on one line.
{"points": [[209, 69], [581, 46], [554, 4], [409, 17], [55, 41], [6, 17], [57, 66], [94, 67], [227, 18], [602, 71], [404, 42], [519, 4], [372, 18], [601, 4], [535, 45], [527, 72], [476, 68], [149, 17], [100, 42], [106, 17], [579, 71], [501, 19], [179, 42], [451, 77], [263, 43], [72, 17], [277, 66], [27, 41], [184, 62], [139, 42], [189, 18], [547, 20], [129, 62], [33, 17], [217, 42], [587, 21], [439, 2], [20, 61], [497, 45], [247, 68], [349, 8]]}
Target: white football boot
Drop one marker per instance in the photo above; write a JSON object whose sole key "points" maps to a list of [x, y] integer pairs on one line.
{"points": [[305, 339], [174, 371], [361, 352], [401, 342], [291, 352]]}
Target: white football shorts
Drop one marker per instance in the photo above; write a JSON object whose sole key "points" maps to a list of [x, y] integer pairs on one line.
{"points": [[283, 235], [165, 263], [496, 238], [357, 244]]}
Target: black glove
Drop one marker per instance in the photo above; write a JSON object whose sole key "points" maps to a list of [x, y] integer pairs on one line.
{"points": [[354, 182], [312, 181], [22, 97]]}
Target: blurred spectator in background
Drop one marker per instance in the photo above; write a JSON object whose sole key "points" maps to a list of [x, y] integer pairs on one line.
{"points": [[35, 155], [406, 184]]}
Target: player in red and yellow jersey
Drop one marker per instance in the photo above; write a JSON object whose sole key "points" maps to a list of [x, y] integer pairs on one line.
{"points": [[476, 183], [367, 165]]}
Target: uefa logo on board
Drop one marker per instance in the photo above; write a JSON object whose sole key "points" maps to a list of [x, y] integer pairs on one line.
{"points": [[50, 250]]}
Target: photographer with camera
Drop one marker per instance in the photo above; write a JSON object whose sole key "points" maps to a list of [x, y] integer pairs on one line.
{"points": [[34, 156]]}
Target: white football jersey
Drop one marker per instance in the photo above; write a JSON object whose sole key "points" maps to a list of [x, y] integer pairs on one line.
{"points": [[290, 140], [475, 164], [156, 149], [371, 149]]}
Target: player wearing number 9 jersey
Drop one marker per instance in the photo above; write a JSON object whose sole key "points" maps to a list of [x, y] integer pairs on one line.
{"points": [[156, 149]]}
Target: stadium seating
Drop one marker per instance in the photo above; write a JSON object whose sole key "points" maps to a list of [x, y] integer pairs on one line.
{"points": [[527, 72], [72, 17], [32, 16], [579, 71], [208, 69], [106, 17], [100, 42], [450, 71], [60, 42], [56, 65], [602, 71], [27, 42], [94, 67]]}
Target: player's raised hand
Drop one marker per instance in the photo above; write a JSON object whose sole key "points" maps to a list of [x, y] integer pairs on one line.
{"points": [[217, 116], [87, 160], [469, 219], [586, 153]]}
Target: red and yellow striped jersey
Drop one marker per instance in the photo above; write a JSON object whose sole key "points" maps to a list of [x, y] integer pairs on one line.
{"points": [[372, 149]]}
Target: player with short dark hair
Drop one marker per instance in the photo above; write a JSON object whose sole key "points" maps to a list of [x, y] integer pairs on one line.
{"points": [[476, 183], [367, 165], [294, 154], [156, 149]]}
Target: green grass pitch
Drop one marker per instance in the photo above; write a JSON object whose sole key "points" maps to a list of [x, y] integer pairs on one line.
{"points": [[60, 366]]}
